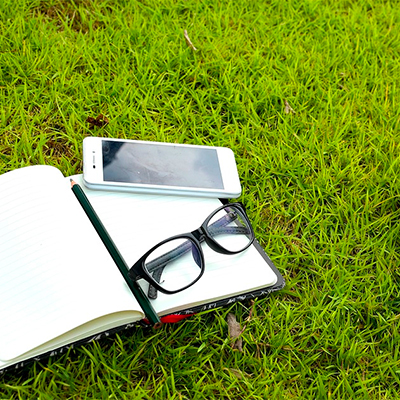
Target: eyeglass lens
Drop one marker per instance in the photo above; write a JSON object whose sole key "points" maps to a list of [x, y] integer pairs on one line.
{"points": [[180, 262], [230, 229]]}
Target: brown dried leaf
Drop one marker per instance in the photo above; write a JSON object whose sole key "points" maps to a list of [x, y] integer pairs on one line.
{"points": [[234, 330], [288, 109], [100, 121], [188, 41], [237, 372]]}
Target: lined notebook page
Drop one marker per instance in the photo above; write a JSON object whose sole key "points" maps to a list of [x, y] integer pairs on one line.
{"points": [[136, 222], [55, 273]]}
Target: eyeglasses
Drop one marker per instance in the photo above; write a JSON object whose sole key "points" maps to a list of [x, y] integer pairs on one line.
{"points": [[178, 262]]}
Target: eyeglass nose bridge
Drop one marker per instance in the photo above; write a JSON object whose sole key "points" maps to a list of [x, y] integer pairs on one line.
{"points": [[199, 234]]}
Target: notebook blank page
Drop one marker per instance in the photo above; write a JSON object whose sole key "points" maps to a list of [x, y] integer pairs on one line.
{"points": [[55, 273], [137, 222]]}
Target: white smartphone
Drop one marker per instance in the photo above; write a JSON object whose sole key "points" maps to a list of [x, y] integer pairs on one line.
{"points": [[164, 168]]}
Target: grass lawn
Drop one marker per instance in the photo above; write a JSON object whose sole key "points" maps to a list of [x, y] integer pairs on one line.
{"points": [[307, 94]]}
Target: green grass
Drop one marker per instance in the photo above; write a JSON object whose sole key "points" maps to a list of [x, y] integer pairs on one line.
{"points": [[321, 184]]}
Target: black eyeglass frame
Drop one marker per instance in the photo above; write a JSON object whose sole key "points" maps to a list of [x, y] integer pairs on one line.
{"points": [[138, 270]]}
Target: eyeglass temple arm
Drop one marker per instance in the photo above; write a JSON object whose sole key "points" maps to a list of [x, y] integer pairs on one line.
{"points": [[218, 227]]}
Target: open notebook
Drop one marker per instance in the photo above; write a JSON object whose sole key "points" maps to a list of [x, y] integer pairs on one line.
{"points": [[58, 283]]}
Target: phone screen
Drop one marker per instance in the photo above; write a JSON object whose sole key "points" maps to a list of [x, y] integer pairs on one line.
{"points": [[156, 164]]}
